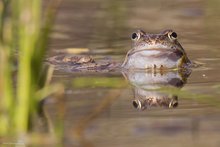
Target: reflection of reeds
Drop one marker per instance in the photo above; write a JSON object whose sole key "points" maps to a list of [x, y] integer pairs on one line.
{"points": [[78, 131], [22, 30]]}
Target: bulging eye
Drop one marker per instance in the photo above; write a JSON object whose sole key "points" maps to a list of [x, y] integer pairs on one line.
{"points": [[172, 35], [135, 36], [136, 104]]}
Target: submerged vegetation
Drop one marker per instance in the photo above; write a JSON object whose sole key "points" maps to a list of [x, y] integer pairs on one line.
{"points": [[24, 33]]}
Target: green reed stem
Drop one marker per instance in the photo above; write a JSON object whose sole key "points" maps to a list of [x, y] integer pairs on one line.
{"points": [[29, 29], [6, 80], [24, 31]]}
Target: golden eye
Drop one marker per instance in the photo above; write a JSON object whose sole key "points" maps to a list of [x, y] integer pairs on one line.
{"points": [[172, 35], [135, 36]]}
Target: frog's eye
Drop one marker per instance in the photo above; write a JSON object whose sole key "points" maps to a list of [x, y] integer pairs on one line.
{"points": [[136, 104], [172, 35], [135, 36]]}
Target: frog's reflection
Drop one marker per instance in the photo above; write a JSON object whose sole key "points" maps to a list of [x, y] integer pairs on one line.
{"points": [[147, 87]]}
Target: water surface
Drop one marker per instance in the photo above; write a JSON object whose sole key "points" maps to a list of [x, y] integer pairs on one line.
{"points": [[99, 107]]}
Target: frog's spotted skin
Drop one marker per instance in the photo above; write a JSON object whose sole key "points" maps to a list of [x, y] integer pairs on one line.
{"points": [[82, 63], [70, 59], [155, 51]]}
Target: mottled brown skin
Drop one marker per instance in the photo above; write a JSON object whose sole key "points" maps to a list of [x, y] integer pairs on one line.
{"points": [[71, 59], [78, 63]]}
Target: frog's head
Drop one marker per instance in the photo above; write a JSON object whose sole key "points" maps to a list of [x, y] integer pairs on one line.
{"points": [[167, 40]]}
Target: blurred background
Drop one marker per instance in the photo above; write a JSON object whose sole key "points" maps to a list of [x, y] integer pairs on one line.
{"points": [[106, 25], [95, 109]]}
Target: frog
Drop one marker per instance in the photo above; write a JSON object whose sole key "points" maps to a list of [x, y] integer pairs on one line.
{"points": [[70, 59], [149, 51], [156, 51], [81, 63]]}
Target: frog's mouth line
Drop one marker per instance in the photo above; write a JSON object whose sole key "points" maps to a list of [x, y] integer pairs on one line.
{"points": [[154, 49]]}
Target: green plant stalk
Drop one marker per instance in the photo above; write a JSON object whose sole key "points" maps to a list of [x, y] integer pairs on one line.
{"points": [[6, 80], [8, 94], [5, 57], [29, 34], [29, 28], [3, 8], [3, 117]]}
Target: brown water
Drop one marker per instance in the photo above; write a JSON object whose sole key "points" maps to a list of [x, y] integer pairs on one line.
{"points": [[97, 108]]}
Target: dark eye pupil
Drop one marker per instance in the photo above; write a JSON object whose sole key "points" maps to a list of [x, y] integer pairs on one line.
{"points": [[135, 104], [134, 35], [174, 35]]}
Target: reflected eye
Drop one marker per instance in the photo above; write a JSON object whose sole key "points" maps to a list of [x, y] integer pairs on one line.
{"points": [[135, 36], [172, 35], [173, 104]]}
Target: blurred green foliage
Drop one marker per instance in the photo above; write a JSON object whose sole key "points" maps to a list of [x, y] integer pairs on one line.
{"points": [[99, 82], [24, 33]]}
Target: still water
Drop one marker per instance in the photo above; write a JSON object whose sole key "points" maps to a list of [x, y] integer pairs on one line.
{"points": [[127, 109]]}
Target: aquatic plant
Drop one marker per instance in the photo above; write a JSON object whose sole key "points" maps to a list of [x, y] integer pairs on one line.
{"points": [[24, 33]]}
